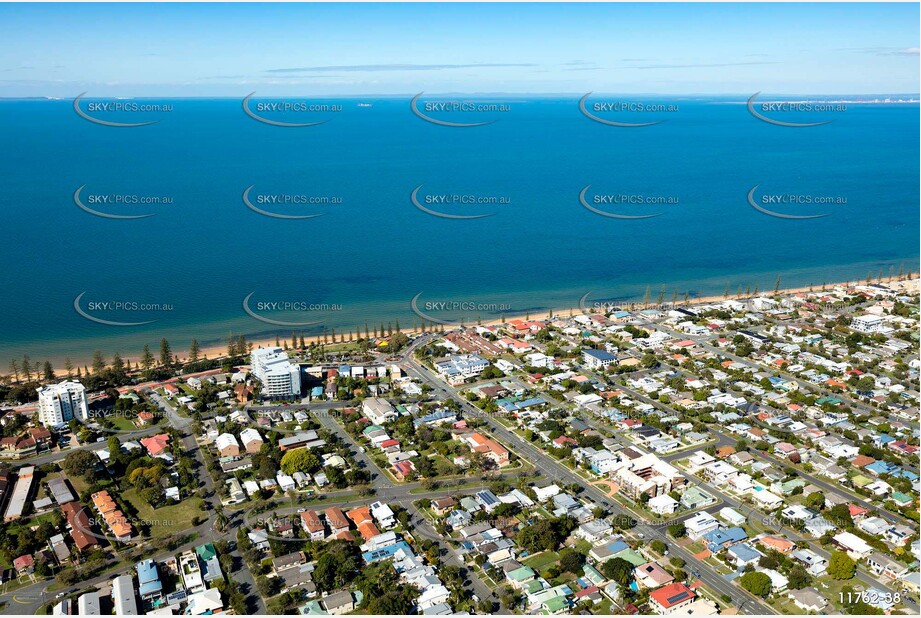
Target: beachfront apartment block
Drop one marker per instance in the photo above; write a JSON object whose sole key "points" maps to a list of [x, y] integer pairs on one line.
{"points": [[123, 599], [456, 369], [59, 403], [867, 323], [648, 475], [597, 359], [280, 378]]}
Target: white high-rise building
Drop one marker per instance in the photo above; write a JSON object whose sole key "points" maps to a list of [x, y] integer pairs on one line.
{"points": [[58, 403], [281, 379]]}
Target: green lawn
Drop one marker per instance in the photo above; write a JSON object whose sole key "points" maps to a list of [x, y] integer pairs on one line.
{"points": [[541, 560], [165, 520], [122, 423], [583, 546]]}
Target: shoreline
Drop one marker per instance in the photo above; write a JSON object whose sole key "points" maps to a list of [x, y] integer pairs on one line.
{"points": [[220, 351]]}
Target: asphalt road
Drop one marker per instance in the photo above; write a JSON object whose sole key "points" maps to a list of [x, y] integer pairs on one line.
{"points": [[550, 467]]}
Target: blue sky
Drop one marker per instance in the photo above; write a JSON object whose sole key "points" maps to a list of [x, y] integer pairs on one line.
{"points": [[233, 49]]}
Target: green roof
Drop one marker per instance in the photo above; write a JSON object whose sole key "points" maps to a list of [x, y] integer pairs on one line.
{"points": [[788, 486], [630, 556], [593, 575], [206, 552], [900, 497], [861, 481], [694, 495], [556, 604], [533, 586], [313, 608], [519, 575]]}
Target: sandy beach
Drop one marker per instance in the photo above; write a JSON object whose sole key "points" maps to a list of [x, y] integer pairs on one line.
{"points": [[221, 351]]}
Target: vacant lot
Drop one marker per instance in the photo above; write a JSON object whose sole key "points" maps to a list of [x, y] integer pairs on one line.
{"points": [[165, 520]]}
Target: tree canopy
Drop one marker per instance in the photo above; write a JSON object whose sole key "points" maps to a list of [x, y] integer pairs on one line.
{"points": [[759, 584]]}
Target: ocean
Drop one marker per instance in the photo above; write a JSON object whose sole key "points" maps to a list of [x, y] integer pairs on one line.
{"points": [[185, 271]]}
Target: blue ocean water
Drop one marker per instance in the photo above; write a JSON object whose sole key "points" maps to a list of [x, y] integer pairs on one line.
{"points": [[202, 254]]}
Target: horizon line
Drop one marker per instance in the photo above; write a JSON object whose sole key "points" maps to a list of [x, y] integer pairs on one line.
{"points": [[475, 93]]}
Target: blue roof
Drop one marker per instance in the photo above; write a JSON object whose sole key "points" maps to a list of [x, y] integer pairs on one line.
{"points": [[882, 467], [885, 438], [487, 497], [316, 391], [147, 571], [600, 355], [438, 415], [386, 552], [149, 581], [617, 546], [745, 552], [717, 538], [908, 474], [511, 404]]}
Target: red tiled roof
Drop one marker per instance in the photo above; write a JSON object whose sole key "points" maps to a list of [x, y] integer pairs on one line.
{"points": [[672, 594]]}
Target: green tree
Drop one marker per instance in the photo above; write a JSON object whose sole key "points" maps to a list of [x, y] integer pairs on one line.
{"points": [[570, 561], [80, 463], [299, 460], [815, 500], [759, 584], [166, 353], [619, 570], [840, 566], [99, 362], [798, 577], [147, 359]]}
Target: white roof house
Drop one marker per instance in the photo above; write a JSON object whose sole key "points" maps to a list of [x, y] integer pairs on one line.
{"points": [[732, 516], [700, 524], [250, 436], [123, 596], [767, 499], [285, 482], [378, 410], [662, 504], [206, 602], [855, 546], [383, 514], [545, 493], [226, 440]]}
